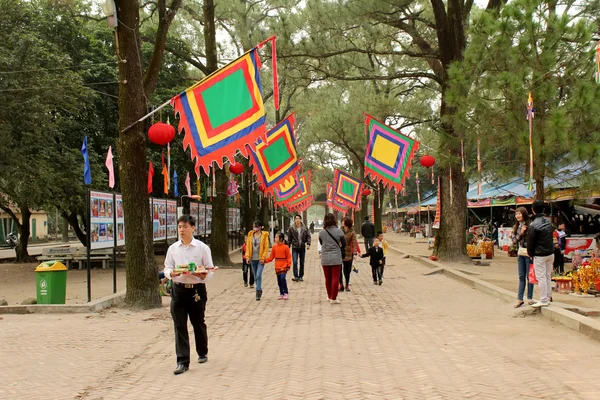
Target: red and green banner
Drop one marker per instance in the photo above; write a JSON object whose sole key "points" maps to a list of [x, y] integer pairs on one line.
{"points": [[223, 113], [276, 160], [346, 189]]}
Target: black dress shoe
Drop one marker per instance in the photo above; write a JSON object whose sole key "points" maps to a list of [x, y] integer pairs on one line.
{"points": [[202, 360], [180, 369]]}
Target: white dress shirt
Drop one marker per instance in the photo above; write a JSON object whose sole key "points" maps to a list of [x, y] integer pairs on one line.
{"points": [[196, 252]]}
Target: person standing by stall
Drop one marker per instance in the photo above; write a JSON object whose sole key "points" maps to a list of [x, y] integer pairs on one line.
{"points": [[541, 249]]}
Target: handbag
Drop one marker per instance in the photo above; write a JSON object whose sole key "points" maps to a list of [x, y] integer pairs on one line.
{"points": [[339, 244], [532, 277], [522, 252]]}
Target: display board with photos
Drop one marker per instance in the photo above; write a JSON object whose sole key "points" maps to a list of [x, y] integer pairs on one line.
{"points": [[164, 219], [233, 219], [102, 220], [120, 220], [172, 219]]}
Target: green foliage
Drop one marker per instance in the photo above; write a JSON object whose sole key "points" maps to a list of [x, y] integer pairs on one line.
{"points": [[529, 47]]}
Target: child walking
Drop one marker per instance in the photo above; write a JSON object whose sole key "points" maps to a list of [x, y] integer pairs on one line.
{"points": [[283, 261], [376, 261], [246, 269], [384, 245]]}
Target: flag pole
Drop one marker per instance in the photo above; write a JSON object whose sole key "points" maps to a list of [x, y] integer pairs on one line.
{"points": [[151, 113]]}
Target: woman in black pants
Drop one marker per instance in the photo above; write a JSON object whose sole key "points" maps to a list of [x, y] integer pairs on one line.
{"points": [[351, 251]]}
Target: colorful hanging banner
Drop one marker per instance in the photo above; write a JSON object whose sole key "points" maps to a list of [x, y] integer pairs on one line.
{"points": [[223, 113], [286, 192], [304, 195], [346, 189], [150, 176], [276, 159], [389, 153]]}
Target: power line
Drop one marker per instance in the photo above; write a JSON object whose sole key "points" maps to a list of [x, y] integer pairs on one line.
{"points": [[54, 87], [57, 69]]}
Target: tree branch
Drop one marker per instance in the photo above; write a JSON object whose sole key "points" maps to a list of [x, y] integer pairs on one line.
{"points": [[12, 215], [165, 18]]}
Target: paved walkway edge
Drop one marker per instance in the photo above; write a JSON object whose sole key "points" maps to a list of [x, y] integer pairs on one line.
{"points": [[565, 314], [91, 307]]}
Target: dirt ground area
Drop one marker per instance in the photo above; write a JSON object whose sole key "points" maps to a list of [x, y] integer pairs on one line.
{"points": [[17, 281]]}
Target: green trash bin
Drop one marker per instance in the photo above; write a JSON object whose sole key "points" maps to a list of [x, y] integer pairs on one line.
{"points": [[51, 282]]}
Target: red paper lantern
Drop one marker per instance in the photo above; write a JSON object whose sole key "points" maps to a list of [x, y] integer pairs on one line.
{"points": [[366, 192], [427, 161], [261, 187], [236, 169], [161, 133]]}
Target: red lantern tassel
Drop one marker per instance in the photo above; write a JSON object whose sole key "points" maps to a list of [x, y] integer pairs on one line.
{"points": [[462, 155]]}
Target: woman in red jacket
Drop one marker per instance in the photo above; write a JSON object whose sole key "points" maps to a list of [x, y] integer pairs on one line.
{"points": [[283, 261]]}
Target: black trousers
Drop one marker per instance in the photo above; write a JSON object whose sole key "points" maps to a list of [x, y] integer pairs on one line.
{"points": [[377, 272], [345, 272], [245, 270], [559, 261], [183, 305]]}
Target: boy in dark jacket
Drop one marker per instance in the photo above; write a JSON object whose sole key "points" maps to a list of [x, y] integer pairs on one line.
{"points": [[376, 261]]}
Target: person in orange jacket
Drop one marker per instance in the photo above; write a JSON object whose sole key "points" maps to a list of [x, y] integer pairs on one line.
{"points": [[283, 261], [257, 249]]}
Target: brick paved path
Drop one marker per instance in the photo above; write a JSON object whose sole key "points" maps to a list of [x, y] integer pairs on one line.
{"points": [[415, 337]]}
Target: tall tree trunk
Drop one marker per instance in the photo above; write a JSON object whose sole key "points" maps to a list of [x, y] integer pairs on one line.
{"points": [[24, 232], [451, 240], [248, 199], [71, 218], [218, 242], [141, 270], [65, 230]]}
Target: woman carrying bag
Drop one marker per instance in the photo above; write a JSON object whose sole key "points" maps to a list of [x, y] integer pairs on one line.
{"points": [[333, 245], [257, 250], [519, 236]]}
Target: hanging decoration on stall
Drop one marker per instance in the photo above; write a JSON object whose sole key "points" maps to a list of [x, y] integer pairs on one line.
{"points": [[478, 166], [417, 181], [451, 187], [438, 208], [346, 189], [276, 159], [236, 168], [150, 176], [110, 167], [389, 153], [165, 174], [223, 113], [87, 171], [462, 156], [597, 73], [530, 115], [175, 189]]}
